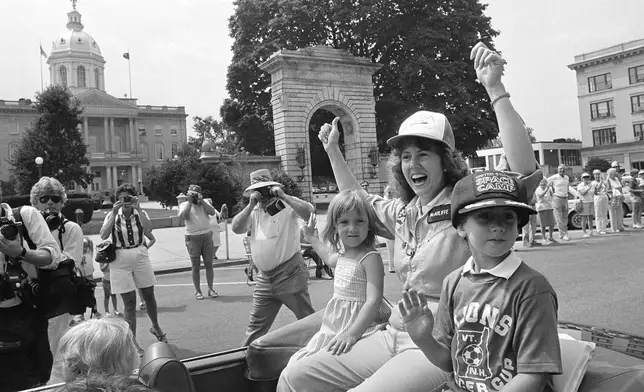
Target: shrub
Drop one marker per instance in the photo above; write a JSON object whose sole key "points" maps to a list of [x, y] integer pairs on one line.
{"points": [[69, 209], [78, 196], [17, 200]]}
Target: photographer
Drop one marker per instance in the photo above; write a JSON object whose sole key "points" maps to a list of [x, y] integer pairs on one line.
{"points": [[127, 225], [271, 218], [25, 357], [48, 196], [196, 212]]}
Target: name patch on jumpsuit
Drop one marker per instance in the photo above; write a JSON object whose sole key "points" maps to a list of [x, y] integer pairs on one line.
{"points": [[439, 213]]}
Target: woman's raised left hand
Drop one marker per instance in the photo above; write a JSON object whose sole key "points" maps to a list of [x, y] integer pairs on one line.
{"points": [[488, 65]]}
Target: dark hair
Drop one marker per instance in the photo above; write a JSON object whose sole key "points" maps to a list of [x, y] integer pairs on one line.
{"points": [[452, 161], [347, 200], [129, 188], [105, 383]]}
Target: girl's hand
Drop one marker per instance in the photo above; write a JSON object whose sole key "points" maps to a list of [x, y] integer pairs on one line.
{"points": [[309, 227], [342, 343], [418, 319], [488, 65], [149, 244], [329, 135]]}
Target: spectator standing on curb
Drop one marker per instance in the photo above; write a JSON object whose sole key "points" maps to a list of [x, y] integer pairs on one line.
{"points": [[600, 201], [636, 191], [529, 231], [544, 208], [586, 192], [215, 220], [271, 218], [197, 212], [616, 198], [559, 184]]}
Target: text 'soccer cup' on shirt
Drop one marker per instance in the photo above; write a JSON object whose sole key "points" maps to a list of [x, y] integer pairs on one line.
{"points": [[498, 323]]}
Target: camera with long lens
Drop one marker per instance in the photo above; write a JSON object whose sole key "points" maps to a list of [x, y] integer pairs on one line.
{"points": [[194, 198], [52, 218], [265, 191], [15, 282]]}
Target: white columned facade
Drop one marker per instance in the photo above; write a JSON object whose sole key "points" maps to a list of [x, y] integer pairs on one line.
{"points": [[107, 139], [108, 182], [133, 175], [133, 146], [115, 177], [85, 130], [113, 146]]}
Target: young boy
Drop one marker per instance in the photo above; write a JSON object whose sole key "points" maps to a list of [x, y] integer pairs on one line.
{"points": [[496, 324]]}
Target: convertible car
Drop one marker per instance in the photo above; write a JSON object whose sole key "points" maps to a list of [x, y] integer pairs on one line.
{"points": [[595, 359]]}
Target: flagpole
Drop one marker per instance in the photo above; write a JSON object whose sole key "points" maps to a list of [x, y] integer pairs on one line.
{"points": [[129, 71], [40, 57]]}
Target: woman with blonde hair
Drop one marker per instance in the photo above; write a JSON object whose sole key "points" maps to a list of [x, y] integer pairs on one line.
{"points": [[98, 346]]}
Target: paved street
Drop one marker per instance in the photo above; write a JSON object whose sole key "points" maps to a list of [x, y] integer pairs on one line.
{"points": [[598, 281]]}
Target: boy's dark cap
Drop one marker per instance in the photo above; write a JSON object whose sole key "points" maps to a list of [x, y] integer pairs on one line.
{"points": [[490, 189]]}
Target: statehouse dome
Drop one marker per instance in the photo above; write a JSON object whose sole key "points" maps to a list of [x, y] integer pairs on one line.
{"points": [[75, 39]]}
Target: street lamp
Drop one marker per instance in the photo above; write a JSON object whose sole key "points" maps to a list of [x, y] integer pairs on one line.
{"points": [[140, 186], [122, 175], [39, 162]]}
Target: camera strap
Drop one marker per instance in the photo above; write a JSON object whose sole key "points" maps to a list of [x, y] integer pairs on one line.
{"points": [[23, 230]]}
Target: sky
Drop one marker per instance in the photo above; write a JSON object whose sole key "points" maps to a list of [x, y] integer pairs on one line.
{"points": [[180, 50]]}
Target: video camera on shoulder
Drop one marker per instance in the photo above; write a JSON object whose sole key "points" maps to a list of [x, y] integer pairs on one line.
{"points": [[9, 228]]}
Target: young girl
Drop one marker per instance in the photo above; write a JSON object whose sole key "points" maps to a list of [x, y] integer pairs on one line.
{"points": [[357, 307]]}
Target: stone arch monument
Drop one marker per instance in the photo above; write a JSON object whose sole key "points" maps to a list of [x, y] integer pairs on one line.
{"points": [[320, 77]]}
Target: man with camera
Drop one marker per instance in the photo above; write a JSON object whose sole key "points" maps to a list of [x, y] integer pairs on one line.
{"points": [[271, 218], [25, 355], [196, 212]]}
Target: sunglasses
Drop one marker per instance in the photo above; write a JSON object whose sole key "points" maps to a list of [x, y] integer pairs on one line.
{"points": [[45, 199]]}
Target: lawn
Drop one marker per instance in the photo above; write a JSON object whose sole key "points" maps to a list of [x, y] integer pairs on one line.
{"points": [[93, 226]]}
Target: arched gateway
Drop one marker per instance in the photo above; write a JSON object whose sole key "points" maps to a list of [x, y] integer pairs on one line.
{"points": [[309, 79]]}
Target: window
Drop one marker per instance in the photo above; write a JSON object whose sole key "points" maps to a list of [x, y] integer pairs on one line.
{"points": [[62, 74], [636, 74], [601, 110], [175, 149], [97, 78], [571, 157], [490, 162], [599, 83], [604, 136], [477, 162], [537, 156], [159, 152], [97, 174], [638, 131], [13, 150], [80, 75], [158, 130], [71, 186], [142, 131], [637, 103], [173, 132], [13, 127], [144, 150]]}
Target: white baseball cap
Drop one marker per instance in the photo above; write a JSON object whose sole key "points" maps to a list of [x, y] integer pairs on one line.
{"points": [[428, 125], [614, 164]]}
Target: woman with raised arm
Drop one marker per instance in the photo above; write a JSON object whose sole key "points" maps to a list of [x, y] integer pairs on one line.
{"points": [[426, 165]]}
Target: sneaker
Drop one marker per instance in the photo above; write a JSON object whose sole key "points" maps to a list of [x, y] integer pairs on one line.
{"points": [[602, 232], [142, 306], [117, 313], [565, 238], [546, 243], [586, 235]]}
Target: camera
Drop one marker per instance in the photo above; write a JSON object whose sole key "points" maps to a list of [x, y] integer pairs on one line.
{"points": [[128, 199], [52, 218], [265, 191], [194, 198], [274, 207], [9, 229]]}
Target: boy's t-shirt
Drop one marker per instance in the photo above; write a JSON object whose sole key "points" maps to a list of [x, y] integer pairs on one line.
{"points": [[498, 323]]}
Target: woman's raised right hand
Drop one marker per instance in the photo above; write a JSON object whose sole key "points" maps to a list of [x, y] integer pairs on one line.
{"points": [[329, 134], [309, 228]]}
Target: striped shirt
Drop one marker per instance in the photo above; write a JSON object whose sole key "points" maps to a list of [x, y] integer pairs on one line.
{"points": [[127, 233]]}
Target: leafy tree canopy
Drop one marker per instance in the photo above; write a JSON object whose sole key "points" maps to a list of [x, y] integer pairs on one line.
{"points": [[596, 163], [174, 176], [213, 131], [56, 139], [424, 47]]}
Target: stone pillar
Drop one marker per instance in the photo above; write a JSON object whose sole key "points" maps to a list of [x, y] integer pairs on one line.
{"points": [[115, 176], [137, 137], [85, 130], [133, 178], [107, 139], [133, 146], [113, 146], [108, 177], [140, 174]]}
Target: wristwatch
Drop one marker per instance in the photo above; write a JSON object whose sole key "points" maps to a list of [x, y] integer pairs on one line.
{"points": [[22, 254]]}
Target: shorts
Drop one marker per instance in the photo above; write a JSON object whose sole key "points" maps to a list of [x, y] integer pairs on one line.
{"points": [[547, 218], [200, 245], [588, 209], [131, 270]]}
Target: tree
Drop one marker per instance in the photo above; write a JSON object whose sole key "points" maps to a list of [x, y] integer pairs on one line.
{"points": [[56, 139], [424, 47], [596, 163], [213, 130], [175, 175]]}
